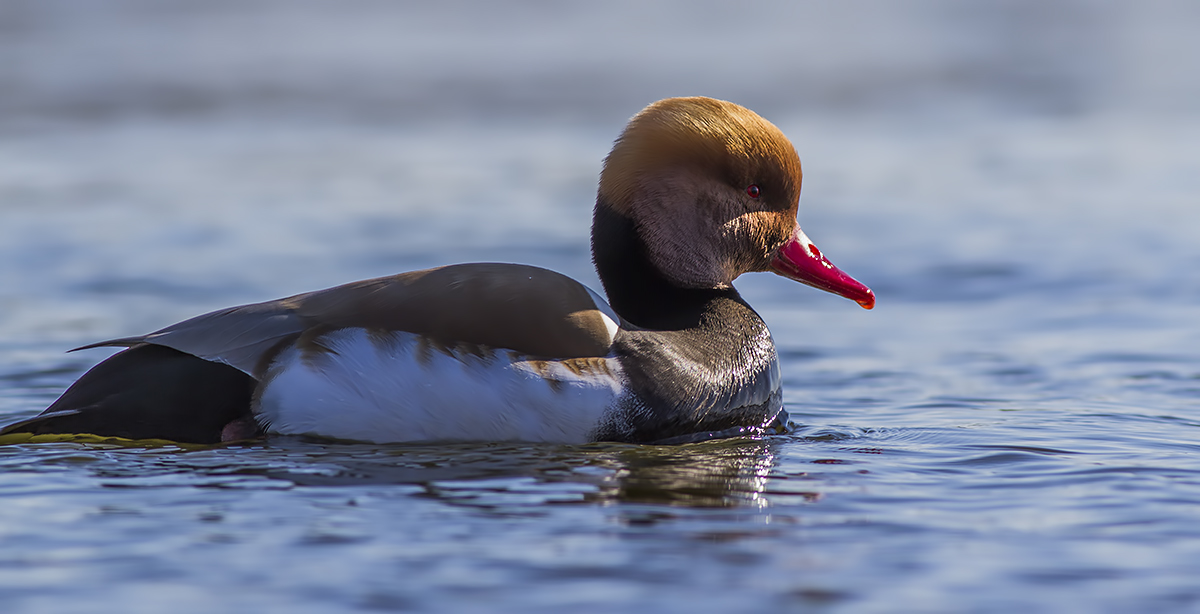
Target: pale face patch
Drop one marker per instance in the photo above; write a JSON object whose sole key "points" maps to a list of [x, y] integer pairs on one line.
{"points": [[701, 233]]}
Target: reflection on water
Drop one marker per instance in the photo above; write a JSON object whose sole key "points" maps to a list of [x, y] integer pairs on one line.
{"points": [[714, 474], [731, 473]]}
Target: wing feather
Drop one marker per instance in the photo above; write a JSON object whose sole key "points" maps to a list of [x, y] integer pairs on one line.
{"points": [[523, 308]]}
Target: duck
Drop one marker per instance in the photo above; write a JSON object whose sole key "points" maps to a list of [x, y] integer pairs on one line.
{"points": [[694, 193]]}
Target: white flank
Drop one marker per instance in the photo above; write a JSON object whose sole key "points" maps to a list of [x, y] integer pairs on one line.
{"points": [[392, 387]]}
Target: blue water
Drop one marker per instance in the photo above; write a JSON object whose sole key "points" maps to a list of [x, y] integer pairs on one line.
{"points": [[1015, 427]]}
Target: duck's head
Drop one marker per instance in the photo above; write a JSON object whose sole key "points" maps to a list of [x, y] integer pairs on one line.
{"points": [[710, 190]]}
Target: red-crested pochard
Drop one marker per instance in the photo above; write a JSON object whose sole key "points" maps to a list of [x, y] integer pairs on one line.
{"points": [[695, 192]]}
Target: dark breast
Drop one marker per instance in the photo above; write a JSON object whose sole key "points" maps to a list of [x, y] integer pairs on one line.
{"points": [[719, 375]]}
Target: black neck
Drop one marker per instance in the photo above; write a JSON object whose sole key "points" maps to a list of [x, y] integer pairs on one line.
{"points": [[635, 287]]}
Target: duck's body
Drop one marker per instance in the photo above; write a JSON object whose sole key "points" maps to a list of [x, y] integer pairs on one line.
{"points": [[695, 192]]}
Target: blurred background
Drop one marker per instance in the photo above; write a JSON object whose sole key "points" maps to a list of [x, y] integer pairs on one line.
{"points": [[158, 159], [409, 62], [141, 139]]}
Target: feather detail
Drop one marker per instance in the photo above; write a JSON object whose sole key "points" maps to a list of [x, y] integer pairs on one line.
{"points": [[361, 385], [528, 309]]}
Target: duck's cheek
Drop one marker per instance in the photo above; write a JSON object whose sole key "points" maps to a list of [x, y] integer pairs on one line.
{"points": [[685, 251], [751, 240]]}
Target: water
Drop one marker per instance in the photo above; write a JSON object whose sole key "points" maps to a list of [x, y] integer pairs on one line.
{"points": [[1010, 429]]}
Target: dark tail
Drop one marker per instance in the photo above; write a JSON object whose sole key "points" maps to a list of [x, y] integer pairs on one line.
{"points": [[152, 392]]}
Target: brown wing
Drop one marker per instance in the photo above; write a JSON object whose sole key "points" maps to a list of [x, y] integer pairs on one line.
{"points": [[523, 308]]}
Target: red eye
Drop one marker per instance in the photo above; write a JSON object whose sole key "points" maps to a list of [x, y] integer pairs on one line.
{"points": [[753, 191]]}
